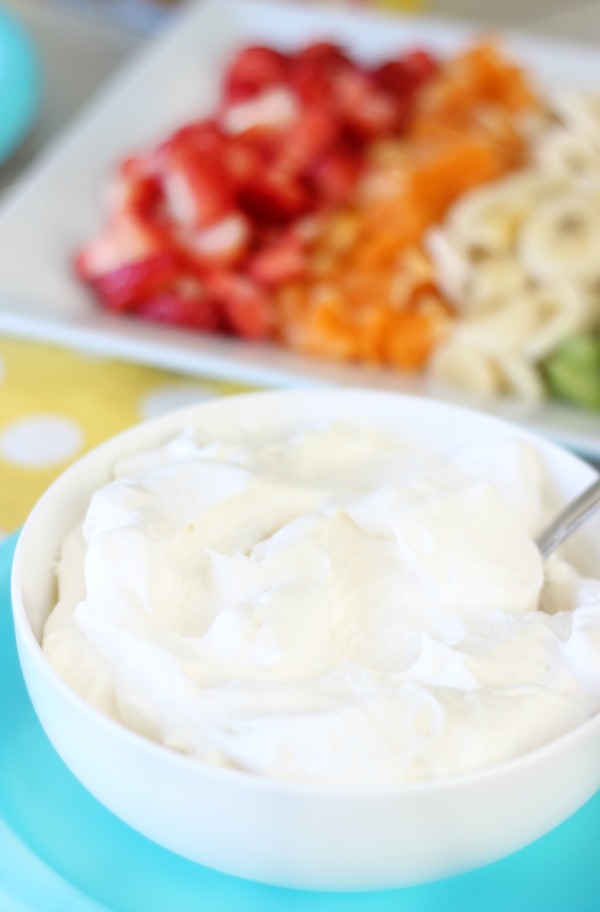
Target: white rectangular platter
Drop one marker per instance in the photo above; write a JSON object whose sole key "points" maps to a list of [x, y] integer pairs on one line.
{"points": [[57, 205]]}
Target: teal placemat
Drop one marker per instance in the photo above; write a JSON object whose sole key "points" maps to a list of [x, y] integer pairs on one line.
{"points": [[61, 850]]}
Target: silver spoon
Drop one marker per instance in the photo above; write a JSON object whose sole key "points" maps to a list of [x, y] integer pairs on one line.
{"points": [[569, 519]]}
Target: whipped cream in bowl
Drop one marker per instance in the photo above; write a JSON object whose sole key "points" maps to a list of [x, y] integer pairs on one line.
{"points": [[306, 637]]}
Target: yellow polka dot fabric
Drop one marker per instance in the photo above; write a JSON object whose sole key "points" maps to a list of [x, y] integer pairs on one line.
{"points": [[56, 404]]}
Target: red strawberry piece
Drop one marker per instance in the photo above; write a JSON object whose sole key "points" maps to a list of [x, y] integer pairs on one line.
{"points": [[394, 76], [249, 154], [283, 259], [197, 186], [128, 285], [252, 70], [326, 55], [245, 307], [373, 117], [313, 71], [421, 66], [396, 81], [336, 176], [274, 198], [199, 191], [203, 136], [314, 132], [274, 108], [309, 83], [126, 239], [404, 75], [223, 243], [196, 311], [362, 106], [135, 187]]}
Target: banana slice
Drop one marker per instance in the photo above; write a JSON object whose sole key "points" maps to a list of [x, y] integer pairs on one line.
{"points": [[487, 374], [504, 331], [466, 367], [522, 381], [560, 240], [450, 263], [560, 311], [494, 282], [562, 152], [488, 219], [580, 113]]}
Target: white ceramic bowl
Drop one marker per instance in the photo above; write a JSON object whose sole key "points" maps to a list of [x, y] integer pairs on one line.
{"points": [[337, 838]]}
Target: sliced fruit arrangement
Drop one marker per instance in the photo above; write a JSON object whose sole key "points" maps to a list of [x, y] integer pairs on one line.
{"points": [[369, 293], [421, 214], [203, 228], [520, 260]]}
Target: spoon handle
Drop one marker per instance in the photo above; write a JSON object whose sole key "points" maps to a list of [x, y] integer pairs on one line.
{"points": [[569, 519]]}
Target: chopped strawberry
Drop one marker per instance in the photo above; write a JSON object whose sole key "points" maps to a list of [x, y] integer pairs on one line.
{"points": [[198, 188], [336, 176], [362, 106], [223, 243], [202, 136], [126, 239], [249, 154], [252, 70], [393, 76], [191, 311], [396, 82], [246, 308], [326, 55], [283, 259], [421, 66], [136, 188], [314, 70], [224, 210], [272, 197], [274, 108], [314, 132], [130, 284], [403, 76]]}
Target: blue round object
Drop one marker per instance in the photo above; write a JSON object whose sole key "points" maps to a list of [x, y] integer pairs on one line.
{"points": [[20, 84]]}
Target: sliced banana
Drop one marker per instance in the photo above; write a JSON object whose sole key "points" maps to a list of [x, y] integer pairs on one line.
{"points": [[521, 380], [494, 283], [580, 113], [521, 259], [466, 367], [451, 264], [532, 323], [503, 331], [560, 311], [562, 152], [560, 240], [488, 219], [487, 374]]}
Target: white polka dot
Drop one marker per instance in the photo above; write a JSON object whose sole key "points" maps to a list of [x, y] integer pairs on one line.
{"points": [[168, 398], [40, 441]]}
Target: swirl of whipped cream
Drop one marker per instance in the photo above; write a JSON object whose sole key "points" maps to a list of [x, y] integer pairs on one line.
{"points": [[336, 606]]}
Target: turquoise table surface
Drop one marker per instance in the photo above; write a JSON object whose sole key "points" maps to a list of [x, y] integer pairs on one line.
{"points": [[61, 851]]}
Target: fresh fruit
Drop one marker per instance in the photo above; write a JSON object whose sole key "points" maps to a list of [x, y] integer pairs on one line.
{"points": [[573, 371], [296, 211]]}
